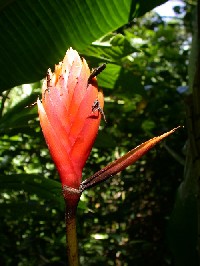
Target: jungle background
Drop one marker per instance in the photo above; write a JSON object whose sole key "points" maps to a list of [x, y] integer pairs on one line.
{"points": [[146, 215]]}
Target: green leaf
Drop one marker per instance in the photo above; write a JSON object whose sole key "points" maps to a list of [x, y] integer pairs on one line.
{"points": [[116, 50], [36, 34], [44, 188], [19, 115], [112, 48], [107, 79], [21, 209]]}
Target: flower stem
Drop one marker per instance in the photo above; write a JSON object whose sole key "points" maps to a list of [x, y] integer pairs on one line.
{"points": [[71, 197], [71, 236]]}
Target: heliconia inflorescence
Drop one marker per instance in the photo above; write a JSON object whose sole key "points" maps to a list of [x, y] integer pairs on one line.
{"points": [[69, 117]]}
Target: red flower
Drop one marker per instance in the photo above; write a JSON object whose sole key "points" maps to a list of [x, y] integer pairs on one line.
{"points": [[69, 116]]}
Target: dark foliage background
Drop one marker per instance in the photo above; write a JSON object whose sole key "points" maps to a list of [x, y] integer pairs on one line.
{"points": [[124, 221]]}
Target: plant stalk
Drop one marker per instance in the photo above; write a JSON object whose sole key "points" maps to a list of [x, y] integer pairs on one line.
{"points": [[71, 197], [71, 237]]}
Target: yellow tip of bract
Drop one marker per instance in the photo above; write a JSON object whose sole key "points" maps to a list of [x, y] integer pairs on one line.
{"points": [[68, 123]]}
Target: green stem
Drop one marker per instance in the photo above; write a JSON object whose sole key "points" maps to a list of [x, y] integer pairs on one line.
{"points": [[71, 236], [71, 197]]}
